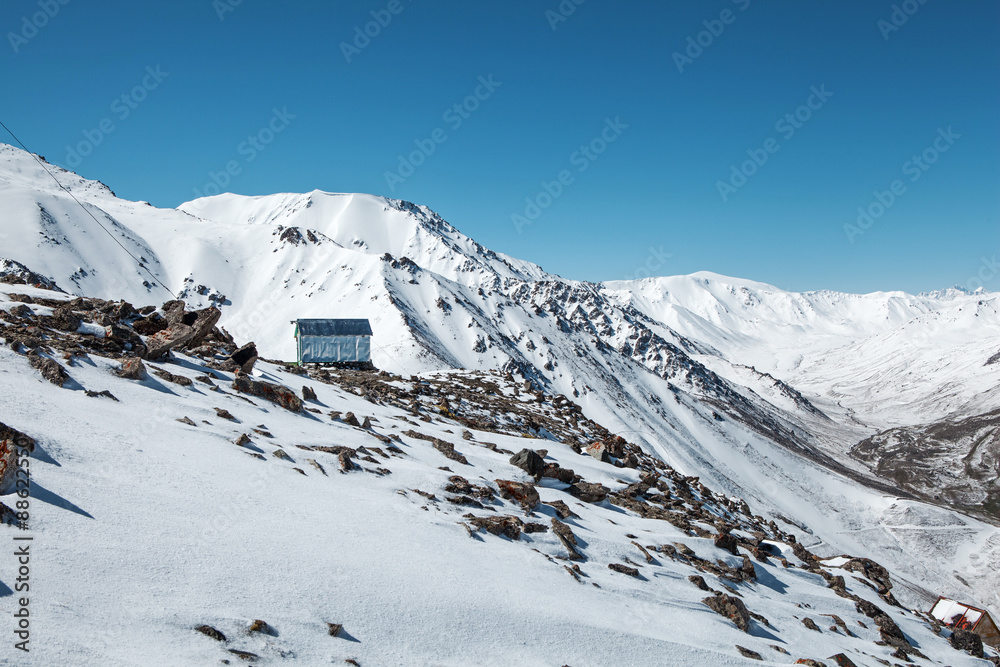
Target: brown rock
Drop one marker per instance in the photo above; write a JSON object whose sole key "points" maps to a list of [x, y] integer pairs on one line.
{"points": [[747, 653], [132, 368], [730, 607], [308, 394], [519, 492], [184, 329], [568, 539], [811, 624], [275, 393], [11, 440], [589, 492], [624, 569], [699, 581], [727, 542], [561, 508], [49, 368], [334, 629], [209, 631]]}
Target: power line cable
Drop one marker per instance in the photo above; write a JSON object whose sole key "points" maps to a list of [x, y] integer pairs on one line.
{"points": [[88, 212]]}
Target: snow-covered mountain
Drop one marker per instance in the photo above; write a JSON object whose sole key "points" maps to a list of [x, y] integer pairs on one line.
{"points": [[760, 392]]}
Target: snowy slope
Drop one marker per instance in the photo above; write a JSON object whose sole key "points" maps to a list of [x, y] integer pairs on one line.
{"points": [[708, 373], [145, 528]]}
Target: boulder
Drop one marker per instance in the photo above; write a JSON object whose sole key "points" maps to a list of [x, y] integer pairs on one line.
{"points": [[965, 640], [624, 569], [65, 319], [49, 368], [730, 607], [10, 441], [519, 492], [245, 357], [275, 393], [530, 462], [589, 492], [308, 394], [599, 451], [727, 542], [183, 329]]}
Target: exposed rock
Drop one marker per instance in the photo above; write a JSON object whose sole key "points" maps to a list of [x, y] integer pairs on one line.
{"points": [[334, 628], [351, 420], [275, 393], [101, 394], [624, 569], [891, 634], [222, 413], [747, 570], [132, 368], [245, 357], [261, 626], [187, 420], [367, 423], [599, 452], [730, 607], [842, 660], [209, 631], [530, 462], [811, 624], [183, 329], [509, 526], [170, 377], [281, 454], [699, 581], [448, 450], [346, 464], [519, 492], [747, 653], [561, 508], [568, 539], [243, 440], [589, 492], [10, 441], [50, 369], [727, 542], [564, 475], [966, 640], [315, 464], [308, 394], [244, 655], [65, 319]]}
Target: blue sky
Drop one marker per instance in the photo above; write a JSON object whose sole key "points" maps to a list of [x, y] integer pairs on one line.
{"points": [[659, 128]]}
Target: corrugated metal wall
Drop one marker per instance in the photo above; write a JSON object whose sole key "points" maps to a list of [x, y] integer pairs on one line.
{"points": [[324, 349]]}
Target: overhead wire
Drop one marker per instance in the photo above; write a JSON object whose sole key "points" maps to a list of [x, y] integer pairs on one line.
{"points": [[88, 212]]}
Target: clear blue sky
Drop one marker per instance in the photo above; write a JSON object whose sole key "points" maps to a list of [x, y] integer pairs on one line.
{"points": [[655, 186]]}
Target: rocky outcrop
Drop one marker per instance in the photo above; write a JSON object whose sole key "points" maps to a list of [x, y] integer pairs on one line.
{"points": [[49, 368], [530, 462], [523, 494], [970, 642], [183, 329], [275, 393], [730, 607]]}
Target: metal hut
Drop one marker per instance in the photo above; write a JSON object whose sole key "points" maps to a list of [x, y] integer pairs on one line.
{"points": [[957, 615], [329, 341]]}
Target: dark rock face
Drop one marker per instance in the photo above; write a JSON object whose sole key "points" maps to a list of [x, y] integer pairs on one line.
{"points": [[245, 357], [183, 329], [624, 569], [10, 440], [568, 539], [508, 526], [275, 393], [209, 631], [589, 492], [730, 607], [530, 462], [891, 634], [49, 368], [727, 542], [308, 394], [64, 319], [965, 640]]}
